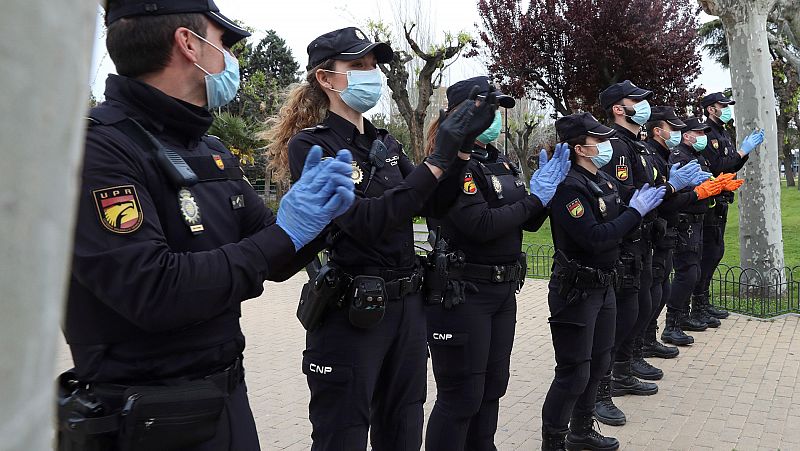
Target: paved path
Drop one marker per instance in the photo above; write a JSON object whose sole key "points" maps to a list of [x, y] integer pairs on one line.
{"points": [[733, 389]]}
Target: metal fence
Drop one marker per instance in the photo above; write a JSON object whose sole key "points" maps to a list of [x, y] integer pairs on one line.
{"points": [[737, 289]]}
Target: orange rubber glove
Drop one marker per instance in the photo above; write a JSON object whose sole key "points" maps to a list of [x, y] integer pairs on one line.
{"points": [[726, 177], [709, 188], [733, 185]]}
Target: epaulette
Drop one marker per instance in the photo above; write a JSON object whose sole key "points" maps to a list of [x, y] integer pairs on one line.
{"points": [[315, 128]]}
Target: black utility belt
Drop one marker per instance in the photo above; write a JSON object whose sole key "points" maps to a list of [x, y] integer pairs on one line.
{"points": [[175, 414], [585, 277], [493, 273], [691, 218], [365, 296]]}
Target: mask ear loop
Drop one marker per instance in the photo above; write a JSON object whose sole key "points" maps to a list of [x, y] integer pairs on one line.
{"points": [[340, 73]]}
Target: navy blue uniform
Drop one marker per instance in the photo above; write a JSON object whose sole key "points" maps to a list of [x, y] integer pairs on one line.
{"points": [[664, 241], [722, 157], [471, 343], [589, 229], [373, 378], [149, 299], [690, 231]]}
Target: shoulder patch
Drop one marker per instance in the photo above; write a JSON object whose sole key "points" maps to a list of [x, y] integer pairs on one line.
{"points": [[715, 143], [622, 172], [119, 209], [469, 186], [575, 208]]}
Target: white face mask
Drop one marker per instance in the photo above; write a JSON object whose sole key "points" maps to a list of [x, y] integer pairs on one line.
{"points": [[221, 88]]}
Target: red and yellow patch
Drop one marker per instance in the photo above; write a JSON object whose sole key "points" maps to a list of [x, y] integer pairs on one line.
{"points": [[575, 208], [715, 144], [622, 172], [469, 186], [119, 208], [220, 163]]}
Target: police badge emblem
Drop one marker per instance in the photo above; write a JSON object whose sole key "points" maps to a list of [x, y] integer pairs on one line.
{"points": [[602, 204], [498, 187], [358, 174], [190, 211]]}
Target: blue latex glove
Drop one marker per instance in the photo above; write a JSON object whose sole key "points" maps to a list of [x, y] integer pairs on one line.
{"points": [[550, 173], [646, 199], [700, 177], [752, 141], [325, 191], [681, 176]]}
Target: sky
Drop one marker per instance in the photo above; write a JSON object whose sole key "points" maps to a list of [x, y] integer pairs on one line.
{"points": [[300, 21]]}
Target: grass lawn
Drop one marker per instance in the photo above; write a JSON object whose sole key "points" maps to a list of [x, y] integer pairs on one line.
{"points": [[790, 209]]}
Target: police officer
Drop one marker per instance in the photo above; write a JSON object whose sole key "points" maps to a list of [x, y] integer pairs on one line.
{"points": [[722, 157], [366, 363], [171, 238], [688, 251], [471, 325], [664, 134], [588, 222], [628, 109]]}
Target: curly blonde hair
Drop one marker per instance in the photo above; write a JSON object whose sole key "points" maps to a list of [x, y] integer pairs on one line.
{"points": [[306, 105]]}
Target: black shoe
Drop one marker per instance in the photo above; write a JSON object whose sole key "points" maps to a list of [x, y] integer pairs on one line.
{"points": [[624, 383], [716, 313], [655, 349], [692, 323], [604, 409], [583, 436], [676, 336], [644, 370], [553, 441], [700, 314]]}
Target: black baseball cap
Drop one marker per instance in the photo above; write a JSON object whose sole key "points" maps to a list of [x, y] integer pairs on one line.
{"points": [[117, 9], [346, 44], [460, 91], [578, 124], [715, 97], [619, 91], [666, 114], [694, 124]]}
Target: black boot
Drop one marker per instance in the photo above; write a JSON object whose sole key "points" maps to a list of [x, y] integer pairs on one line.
{"points": [[604, 409], [553, 441], [673, 332], [718, 313], [625, 383], [652, 348], [583, 436], [699, 306], [692, 321], [640, 367]]}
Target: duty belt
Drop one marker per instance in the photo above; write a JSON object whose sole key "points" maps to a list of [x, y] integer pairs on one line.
{"points": [[400, 288], [692, 218], [588, 277], [493, 273]]}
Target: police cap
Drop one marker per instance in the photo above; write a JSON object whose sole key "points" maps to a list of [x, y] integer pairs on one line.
{"points": [[459, 92], [619, 91], [346, 44], [666, 114], [578, 124], [694, 124], [117, 9], [715, 97]]}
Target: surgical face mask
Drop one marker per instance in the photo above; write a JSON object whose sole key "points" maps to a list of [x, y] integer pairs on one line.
{"points": [[604, 153], [701, 143], [221, 88], [726, 114], [491, 133], [364, 88], [641, 113], [674, 139]]}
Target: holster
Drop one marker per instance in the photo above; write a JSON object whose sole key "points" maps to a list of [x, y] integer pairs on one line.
{"points": [[574, 279], [319, 295], [629, 268]]}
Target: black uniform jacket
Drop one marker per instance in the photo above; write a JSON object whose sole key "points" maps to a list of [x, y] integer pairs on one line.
{"points": [[588, 219], [720, 152], [492, 209], [683, 154], [377, 231], [148, 298], [674, 201]]}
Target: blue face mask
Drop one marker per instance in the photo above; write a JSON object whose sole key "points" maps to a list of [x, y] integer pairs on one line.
{"points": [[364, 88], [674, 139], [641, 113], [604, 153], [726, 115], [491, 133], [221, 88], [701, 143]]}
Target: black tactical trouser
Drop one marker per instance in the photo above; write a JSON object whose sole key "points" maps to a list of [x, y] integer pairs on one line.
{"points": [[583, 335], [661, 287], [362, 379], [713, 246], [470, 348], [686, 261]]}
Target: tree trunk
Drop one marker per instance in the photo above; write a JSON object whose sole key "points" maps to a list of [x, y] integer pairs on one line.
{"points": [[785, 148], [760, 236], [41, 137]]}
